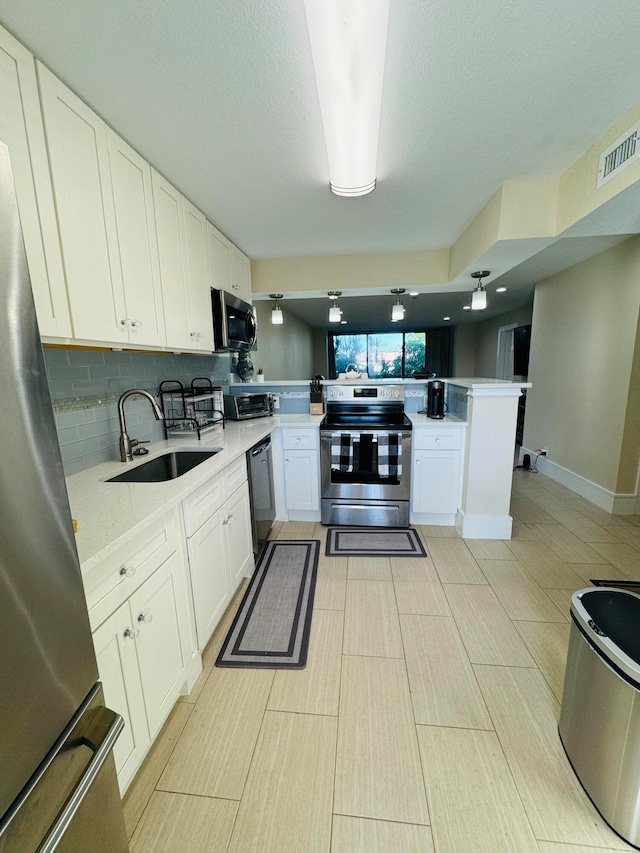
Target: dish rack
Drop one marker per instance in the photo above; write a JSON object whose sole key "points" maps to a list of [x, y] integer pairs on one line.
{"points": [[190, 410]]}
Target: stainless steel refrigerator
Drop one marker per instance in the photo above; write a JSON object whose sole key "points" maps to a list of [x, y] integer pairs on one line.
{"points": [[58, 788]]}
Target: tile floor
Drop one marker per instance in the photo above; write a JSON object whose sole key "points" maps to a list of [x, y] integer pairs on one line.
{"points": [[426, 718]]}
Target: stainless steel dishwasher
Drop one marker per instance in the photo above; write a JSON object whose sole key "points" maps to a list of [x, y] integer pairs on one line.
{"points": [[263, 505]]}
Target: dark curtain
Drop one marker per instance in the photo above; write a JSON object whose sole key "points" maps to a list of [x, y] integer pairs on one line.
{"points": [[439, 351]]}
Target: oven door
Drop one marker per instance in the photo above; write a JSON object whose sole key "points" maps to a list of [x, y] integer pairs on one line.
{"points": [[362, 497]]}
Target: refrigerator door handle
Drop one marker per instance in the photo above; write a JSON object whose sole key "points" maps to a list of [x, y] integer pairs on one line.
{"points": [[101, 753]]}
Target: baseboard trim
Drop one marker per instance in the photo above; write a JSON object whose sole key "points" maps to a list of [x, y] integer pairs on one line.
{"points": [[483, 526], [439, 519], [617, 504]]}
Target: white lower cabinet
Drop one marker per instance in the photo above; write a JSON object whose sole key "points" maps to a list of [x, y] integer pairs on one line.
{"points": [[219, 544], [435, 475], [301, 468]]}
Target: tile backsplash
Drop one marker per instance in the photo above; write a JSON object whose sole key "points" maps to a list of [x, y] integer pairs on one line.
{"points": [[85, 386]]}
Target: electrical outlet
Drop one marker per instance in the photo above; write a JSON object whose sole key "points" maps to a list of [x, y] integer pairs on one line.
{"points": [[276, 401], [544, 451]]}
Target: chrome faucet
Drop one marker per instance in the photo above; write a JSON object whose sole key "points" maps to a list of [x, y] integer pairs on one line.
{"points": [[126, 445]]}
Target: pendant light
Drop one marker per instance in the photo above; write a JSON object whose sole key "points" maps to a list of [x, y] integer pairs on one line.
{"points": [[479, 295], [397, 312], [276, 312], [335, 314]]}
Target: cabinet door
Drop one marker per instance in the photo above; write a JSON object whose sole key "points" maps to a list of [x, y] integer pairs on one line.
{"points": [[241, 271], [79, 158], [156, 610], [238, 537], [209, 575], [22, 131], [137, 243], [219, 256], [198, 289], [118, 669], [301, 479], [435, 479], [167, 203]]}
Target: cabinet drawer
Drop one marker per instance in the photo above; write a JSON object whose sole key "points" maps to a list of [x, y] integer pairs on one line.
{"points": [[113, 580], [300, 439], [437, 439], [201, 504], [234, 475]]}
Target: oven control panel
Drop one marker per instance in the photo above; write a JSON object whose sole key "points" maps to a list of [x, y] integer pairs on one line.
{"points": [[365, 393]]}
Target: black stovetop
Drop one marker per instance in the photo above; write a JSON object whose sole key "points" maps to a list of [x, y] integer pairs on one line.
{"points": [[365, 420]]}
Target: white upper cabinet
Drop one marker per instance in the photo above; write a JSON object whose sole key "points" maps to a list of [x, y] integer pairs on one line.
{"points": [[22, 131], [183, 268], [241, 275], [219, 256], [137, 244], [106, 223]]}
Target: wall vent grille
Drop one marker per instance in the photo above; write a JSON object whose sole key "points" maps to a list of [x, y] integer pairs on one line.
{"points": [[618, 156]]}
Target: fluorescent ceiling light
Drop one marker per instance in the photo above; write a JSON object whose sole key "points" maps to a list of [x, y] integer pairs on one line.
{"points": [[348, 44]]}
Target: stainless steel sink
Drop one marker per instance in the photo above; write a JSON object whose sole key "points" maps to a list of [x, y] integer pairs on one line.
{"points": [[170, 465]]}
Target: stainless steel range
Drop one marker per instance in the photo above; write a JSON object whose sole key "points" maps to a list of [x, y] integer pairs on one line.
{"points": [[365, 456]]}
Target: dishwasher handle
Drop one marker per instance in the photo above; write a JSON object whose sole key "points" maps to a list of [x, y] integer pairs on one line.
{"points": [[259, 448]]}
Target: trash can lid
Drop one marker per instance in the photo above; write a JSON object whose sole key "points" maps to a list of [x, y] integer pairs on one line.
{"points": [[610, 619]]}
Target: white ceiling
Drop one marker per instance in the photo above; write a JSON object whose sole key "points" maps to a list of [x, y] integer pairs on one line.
{"points": [[219, 95]]}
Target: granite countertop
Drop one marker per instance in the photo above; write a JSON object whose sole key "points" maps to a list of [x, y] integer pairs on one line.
{"points": [[110, 514]]}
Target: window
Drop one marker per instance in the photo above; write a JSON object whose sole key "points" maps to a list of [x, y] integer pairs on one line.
{"points": [[383, 355]]}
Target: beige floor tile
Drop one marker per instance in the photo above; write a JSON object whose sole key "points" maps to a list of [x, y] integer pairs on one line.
{"points": [[359, 835], [562, 599], [320, 532], [552, 847], [369, 568], [528, 511], [488, 549], [286, 807], [371, 625], [625, 558], [418, 588], [331, 583], [519, 594], [140, 790], [294, 535], [239, 593], [473, 800], [547, 500], [175, 822], [316, 688], [545, 567], [629, 535], [210, 654], [525, 714], [437, 531], [444, 690], [486, 630], [214, 751], [521, 531], [378, 773], [453, 561], [273, 533], [548, 643], [566, 544], [605, 519], [304, 528], [587, 571], [583, 527]]}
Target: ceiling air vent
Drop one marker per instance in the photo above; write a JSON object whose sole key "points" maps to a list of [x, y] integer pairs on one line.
{"points": [[618, 156]]}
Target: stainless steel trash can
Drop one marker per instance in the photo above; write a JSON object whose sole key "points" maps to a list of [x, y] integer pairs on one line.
{"points": [[600, 716]]}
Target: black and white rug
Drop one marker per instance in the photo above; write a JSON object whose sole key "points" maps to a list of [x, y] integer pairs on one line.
{"points": [[373, 542], [272, 626]]}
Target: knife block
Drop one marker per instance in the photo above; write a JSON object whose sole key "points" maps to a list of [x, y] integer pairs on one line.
{"points": [[316, 406]]}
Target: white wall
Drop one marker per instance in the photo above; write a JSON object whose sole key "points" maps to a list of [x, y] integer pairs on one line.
{"points": [[584, 336]]}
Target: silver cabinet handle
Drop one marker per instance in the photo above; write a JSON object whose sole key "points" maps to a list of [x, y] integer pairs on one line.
{"points": [[136, 323], [125, 322], [437, 441], [128, 571], [264, 461], [145, 617], [103, 750], [417, 461], [131, 633], [286, 460]]}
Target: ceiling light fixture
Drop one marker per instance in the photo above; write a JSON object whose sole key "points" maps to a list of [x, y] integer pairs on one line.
{"points": [[446, 318], [335, 314], [413, 293], [348, 45], [501, 289], [479, 295], [466, 307], [397, 312], [276, 312]]}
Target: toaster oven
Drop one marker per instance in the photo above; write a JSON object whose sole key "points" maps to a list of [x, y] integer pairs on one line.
{"points": [[239, 407]]}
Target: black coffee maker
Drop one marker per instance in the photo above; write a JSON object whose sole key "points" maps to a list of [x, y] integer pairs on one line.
{"points": [[435, 399]]}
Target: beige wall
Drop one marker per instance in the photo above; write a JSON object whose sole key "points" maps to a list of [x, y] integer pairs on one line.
{"points": [[320, 359], [284, 352], [464, 363], [487, 338], [583, 351]]}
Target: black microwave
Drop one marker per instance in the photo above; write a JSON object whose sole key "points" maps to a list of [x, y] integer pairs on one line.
{"points": [[234, 322]]}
